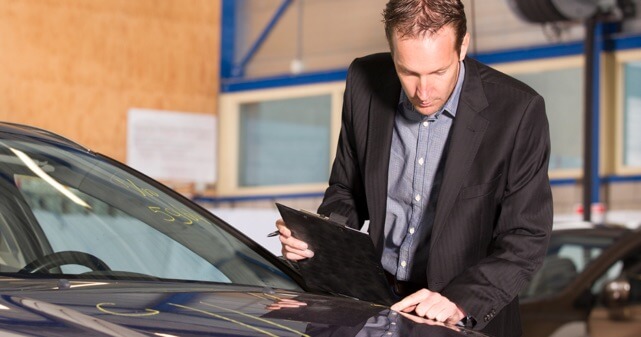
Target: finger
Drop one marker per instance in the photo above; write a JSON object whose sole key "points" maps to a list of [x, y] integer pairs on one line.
{"points": [[442, 312], [295, 247], [407, 302], [294, 256], [411, 301], [456, 317], [429, 306], [440, 309], [292, 248], [296, 253], [409, 309], [293, 242], [421, 320], [282, 228]]}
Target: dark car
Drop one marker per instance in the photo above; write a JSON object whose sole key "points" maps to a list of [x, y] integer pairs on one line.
{"points": [[589, 285], [90, 247]]}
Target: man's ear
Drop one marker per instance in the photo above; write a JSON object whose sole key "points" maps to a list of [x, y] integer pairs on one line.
{"points": [[464, 45]]}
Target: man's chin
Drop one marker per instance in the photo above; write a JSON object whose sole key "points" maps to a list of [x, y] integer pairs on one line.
{"points": [[426, 111]]}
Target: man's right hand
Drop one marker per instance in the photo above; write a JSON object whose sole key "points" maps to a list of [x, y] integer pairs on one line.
{"points": [[293, 249]]}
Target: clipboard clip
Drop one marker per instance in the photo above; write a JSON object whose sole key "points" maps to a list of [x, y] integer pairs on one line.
{"points": [[339, 219], [333, 217]]}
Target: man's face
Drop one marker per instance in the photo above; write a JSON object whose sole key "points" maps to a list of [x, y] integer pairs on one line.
{"points": [[428, 67]]}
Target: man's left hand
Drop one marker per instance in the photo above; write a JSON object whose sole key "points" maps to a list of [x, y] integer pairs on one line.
{"points": [[431, 305]]}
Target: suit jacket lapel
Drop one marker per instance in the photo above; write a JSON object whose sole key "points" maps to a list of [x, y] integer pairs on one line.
{"points": [[383, 106], [467, 132]]}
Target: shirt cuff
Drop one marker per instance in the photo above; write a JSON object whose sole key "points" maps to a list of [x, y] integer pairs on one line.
{"points": [[467, 322]]}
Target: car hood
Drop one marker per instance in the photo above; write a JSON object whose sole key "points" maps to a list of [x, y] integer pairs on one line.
{"points": [[133, 309]]}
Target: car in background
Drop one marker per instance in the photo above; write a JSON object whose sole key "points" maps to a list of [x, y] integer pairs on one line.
{"points": [[91, 247], [589, 285]]}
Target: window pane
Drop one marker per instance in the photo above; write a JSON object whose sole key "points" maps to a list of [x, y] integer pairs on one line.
{"points": [[562, 91], [285, 142], [61, 206], [64, 222], [632, 115]]}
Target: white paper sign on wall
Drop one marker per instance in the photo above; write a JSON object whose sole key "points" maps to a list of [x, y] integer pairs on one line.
{"points": [[175, 146]]}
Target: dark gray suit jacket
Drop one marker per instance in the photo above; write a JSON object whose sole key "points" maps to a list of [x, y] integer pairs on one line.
{"points": [[494, 211]]}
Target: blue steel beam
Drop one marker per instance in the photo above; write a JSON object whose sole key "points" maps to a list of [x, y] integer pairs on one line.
{"points": [[235, 85], [240, 68], [230, 9], [623, 42], [530, 53]]}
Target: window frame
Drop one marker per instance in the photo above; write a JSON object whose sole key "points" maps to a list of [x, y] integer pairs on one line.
{"points": [[621, 58], [548, 64], [229, 133]]}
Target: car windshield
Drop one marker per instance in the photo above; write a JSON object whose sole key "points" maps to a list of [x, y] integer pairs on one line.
{"points": [[68, 212], [569, 253]]}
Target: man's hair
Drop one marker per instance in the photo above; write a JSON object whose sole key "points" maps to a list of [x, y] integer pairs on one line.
{"points": [[413, 18]]}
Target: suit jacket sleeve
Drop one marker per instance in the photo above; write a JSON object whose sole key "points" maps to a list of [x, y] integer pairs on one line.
{"points": [[521, 231], [345, 194]]}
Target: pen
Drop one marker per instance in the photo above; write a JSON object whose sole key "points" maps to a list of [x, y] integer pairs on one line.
{"points": [[272, 234]]}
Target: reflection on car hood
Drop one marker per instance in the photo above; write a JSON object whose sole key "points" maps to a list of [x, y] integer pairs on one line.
{"points": [[132, 309]]}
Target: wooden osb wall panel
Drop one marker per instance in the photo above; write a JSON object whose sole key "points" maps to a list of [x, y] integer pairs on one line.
{"points": [[77, 66]]}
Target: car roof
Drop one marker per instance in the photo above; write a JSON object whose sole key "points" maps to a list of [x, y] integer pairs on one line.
{"points": [[595, 231], [15, 131]]}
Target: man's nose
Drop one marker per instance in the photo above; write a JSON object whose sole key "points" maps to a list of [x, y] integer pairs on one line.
{"points": [[422, 94], [422, 90]]}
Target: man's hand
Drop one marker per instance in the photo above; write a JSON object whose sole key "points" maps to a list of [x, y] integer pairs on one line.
{"points": [[431, 305], [293, 249]]}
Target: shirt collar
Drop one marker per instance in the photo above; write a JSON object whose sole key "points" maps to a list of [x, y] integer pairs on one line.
{"points": [[449, 108]]}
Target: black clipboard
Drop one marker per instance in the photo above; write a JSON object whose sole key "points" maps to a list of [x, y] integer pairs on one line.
{"points": [[345, 261]]}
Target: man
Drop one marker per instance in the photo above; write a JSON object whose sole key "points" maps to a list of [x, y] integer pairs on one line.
{"points": [[447, 158]]}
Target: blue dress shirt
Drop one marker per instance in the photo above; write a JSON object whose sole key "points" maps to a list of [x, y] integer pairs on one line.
{"points": [[417, 148]]}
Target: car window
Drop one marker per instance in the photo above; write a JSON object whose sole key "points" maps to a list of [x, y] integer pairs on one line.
{"points": [[568, 255], [627, 268], [612, 272], [125, 242], [634, 277], [73, 213]]}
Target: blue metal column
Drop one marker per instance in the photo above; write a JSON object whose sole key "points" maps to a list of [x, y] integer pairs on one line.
{"points": [[591, 180], [228, 38]]}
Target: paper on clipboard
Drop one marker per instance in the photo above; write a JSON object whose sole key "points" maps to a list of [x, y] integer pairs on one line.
{"points": [[345, 260]]}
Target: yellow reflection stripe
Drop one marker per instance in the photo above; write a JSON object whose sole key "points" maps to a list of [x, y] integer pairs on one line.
{"points": [[148, 312], [258, 319], [266, 296], [258, 295], [226, 319]]}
